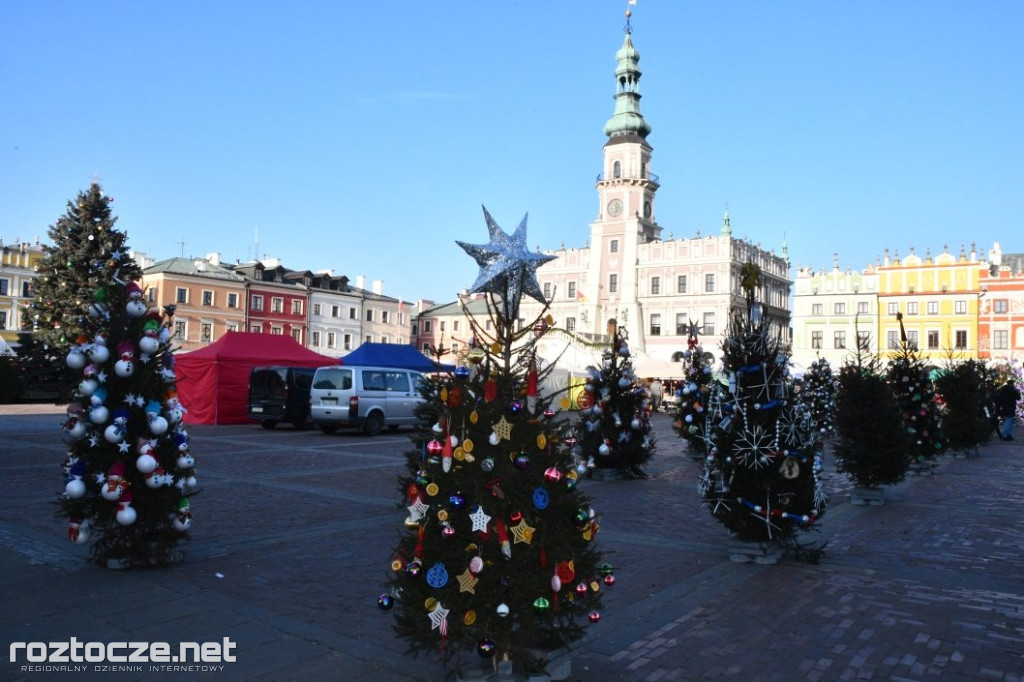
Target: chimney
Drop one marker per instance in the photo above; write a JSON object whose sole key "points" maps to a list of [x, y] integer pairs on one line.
{"points": [[214, 258], [378, 287], [360, 281]]}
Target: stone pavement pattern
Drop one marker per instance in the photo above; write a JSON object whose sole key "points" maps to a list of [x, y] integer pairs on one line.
{"points": [[294, 530]]}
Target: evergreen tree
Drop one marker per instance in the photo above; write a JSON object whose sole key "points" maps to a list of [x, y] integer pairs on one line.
{"points": [[614, 429], [967, 396], [818, 394], [760, 477], [128, 466], [694, 395], [872, 443], [74, 276], [912, 387], [498, 551]]}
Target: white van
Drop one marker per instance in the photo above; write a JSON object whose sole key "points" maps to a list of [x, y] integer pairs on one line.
{"points": [[369, 398]]}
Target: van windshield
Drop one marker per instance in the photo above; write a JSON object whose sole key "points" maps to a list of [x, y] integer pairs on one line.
{"points": [[267, 383], [335, 379]]}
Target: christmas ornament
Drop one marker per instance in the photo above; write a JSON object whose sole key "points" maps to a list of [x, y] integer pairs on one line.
{"points": [[385, 602], [486, 648]]}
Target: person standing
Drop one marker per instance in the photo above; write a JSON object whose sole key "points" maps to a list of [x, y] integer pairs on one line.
{"points": [[657, 393], [1006, 408]]}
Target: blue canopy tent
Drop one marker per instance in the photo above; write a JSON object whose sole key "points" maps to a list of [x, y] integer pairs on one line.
{"points": [[393, 355]]}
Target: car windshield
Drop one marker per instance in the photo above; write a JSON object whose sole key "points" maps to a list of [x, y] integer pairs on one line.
{"points": [[333, 379]]}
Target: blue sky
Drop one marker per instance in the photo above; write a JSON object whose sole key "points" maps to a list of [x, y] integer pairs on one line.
{"points": [[364, 137]]}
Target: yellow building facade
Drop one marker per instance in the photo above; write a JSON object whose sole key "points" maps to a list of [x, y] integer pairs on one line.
{"points": [[18, 264], [937, 299]]}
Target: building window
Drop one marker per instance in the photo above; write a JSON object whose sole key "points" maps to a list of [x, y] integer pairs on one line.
{"points": [[571, 291], [816, 340], [256, 329], [617, 170], [933, 340], [839, 309], [441, 325], [369, 314], [839, 339], [296, 306], [681, 284], [3, 319], [912, 308], [655, 286], [369, 339], [455, 325], [182, 295], [276, 331], [5, 285], [316, 309], [257, 303], [207, 298], [332, 340], [912, 338], [960, 307], [426, 326], [613, 246], [316, 339], [863, 340], [682, 324], [231, 326], [709, 324], [335, 311], [232, 300], [180, 331], [894, 308], [862, 307], [206, 332], [352, 314], [547, 290], [932, 307], [385, 316], [277, 304], [1000, 339], [297, 334], [709, 283], [817, 309], [961, 339], [613, 283], [150, 293], [570, 324], [347, 341], [656, 324], [1000, 306], [892, 339]]}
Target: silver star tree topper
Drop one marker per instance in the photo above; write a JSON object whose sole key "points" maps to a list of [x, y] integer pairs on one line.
{"points": [[507, 267]]}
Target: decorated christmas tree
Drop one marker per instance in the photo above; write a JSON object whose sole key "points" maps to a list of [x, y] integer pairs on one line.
{"points": [[967, 395], [818, 394], [73, 278], [695, 394], [871, 441], [497, 556], [614, 429], [912, 387], [128, 467], [760, 476]]}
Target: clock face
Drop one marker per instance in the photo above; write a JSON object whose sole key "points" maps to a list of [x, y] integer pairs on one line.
{"points": [[647, 209], [615, 208]]}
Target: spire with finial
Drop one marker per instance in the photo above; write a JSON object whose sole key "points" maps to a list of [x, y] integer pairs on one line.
{"points": [[726, 227], [627, 119]]}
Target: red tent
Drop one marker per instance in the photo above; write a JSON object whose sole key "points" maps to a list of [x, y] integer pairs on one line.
{"points": [[213, 382]]}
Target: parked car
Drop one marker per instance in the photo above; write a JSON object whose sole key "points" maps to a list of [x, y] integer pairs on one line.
{"points": [[279, 394], [367, 398]]}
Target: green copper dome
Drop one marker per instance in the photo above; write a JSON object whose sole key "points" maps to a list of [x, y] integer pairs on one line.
{"points": [[627, 119]]}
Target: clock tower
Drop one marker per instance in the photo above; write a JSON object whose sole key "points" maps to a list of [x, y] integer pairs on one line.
{"points": [[626, 189]]}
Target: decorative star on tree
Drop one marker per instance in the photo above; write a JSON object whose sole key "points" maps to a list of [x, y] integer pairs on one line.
{"points": [[507, 268]]}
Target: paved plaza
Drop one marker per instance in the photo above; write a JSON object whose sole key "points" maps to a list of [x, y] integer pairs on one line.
{"points": [[294, 530]]}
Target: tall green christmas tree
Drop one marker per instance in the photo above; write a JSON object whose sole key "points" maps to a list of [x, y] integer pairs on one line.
{"points": [[695, 394], [818, 395], [872, 445], [760, 476], [74, 276], [614, 429], [128, 467], [912, 387], [498, 553], [967, 396]]}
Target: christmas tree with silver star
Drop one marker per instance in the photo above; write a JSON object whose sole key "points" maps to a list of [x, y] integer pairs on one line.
{"points": [[497, 559]]}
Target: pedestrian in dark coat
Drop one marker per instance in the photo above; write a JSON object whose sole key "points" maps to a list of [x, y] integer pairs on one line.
{"points": [[1006, 408]]}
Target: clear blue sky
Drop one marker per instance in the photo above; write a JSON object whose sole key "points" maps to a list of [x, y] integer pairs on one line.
{"points": [[364, 137]]}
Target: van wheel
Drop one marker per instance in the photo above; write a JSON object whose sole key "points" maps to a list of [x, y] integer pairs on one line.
{"points": [[373, 425], [268, 423], [328, 428]]}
